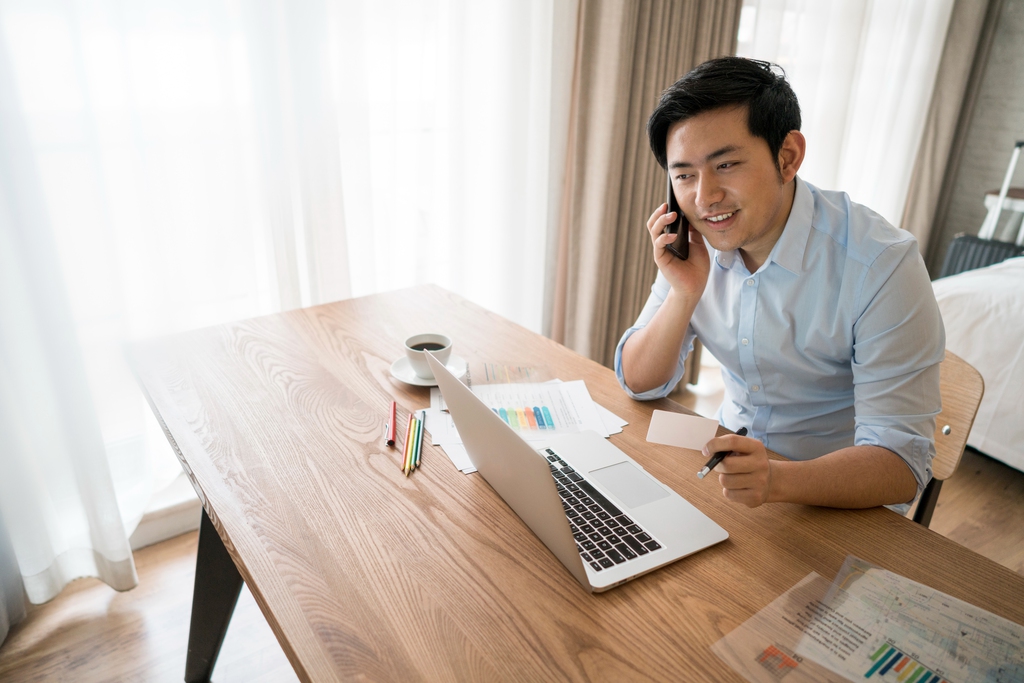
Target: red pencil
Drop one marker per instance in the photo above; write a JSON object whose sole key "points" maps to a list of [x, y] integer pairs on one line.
{"points": [[390, 439]]}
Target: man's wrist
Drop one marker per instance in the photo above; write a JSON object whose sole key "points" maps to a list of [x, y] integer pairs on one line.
{"points": [[777, 474], [681, 305]]}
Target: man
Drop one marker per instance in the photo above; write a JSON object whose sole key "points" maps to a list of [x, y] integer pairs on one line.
{"points": [[820, 312]]}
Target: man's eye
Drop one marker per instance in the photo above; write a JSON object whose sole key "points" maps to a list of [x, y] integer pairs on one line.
{"points": [[728, 164]]}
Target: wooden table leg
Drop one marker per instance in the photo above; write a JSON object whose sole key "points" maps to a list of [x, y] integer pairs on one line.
{"points": [[217, 586]]}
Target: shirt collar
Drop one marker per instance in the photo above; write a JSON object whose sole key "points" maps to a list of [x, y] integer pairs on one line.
{"points": [[788, 251]]}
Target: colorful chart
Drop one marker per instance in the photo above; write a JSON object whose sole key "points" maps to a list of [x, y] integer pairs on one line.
{"points": [[892, 664], [777, 662], [527, 418]]}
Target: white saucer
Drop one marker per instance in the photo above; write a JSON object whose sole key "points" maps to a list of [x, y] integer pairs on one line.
{"points": [[402, 371]]}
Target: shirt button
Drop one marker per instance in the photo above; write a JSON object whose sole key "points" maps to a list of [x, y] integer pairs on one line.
{"points": [[746, 341], [750, 283], [755, 388]]}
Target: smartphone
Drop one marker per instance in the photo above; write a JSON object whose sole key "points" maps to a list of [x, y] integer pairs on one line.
{"points": [[681, 247]]}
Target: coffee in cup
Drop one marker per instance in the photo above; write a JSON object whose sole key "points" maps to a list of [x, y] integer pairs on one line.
{"points": [[416, 347]]}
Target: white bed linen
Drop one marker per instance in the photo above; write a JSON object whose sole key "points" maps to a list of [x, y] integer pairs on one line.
{"points": [[983, 312]]}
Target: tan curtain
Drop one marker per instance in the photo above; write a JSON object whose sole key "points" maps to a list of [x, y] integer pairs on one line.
{"points": [[964, 56], [627, 53]]}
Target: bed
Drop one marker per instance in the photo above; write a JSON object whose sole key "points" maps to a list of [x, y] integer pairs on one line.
{"points": [[983, 312]]}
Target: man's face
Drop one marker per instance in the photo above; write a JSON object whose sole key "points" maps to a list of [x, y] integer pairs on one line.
{"points": [[726, 182]]}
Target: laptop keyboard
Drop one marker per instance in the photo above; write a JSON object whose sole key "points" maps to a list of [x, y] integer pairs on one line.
{"points": [[604, 536]]}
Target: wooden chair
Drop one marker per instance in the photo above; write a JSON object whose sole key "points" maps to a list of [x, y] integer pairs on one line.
{"points": [[961, 387]]}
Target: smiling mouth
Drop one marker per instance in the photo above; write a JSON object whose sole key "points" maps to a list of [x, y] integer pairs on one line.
{"points": [[719, 218]]}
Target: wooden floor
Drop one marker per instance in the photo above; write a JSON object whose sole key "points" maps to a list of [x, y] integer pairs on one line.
{"points": [[92, 633], [981, 507]]}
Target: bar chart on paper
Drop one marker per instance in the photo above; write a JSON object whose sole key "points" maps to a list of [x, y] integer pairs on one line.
{"points": [[877, 625], [527, 417], [537, 411], [891, 664], [871, 624], [531, 408]]}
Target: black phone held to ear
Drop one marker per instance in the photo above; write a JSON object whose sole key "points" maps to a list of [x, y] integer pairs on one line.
{"points": [[681, 247]]}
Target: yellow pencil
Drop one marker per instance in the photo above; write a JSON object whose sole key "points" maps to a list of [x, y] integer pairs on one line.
{"points": [[415, 441], [408, 445]]}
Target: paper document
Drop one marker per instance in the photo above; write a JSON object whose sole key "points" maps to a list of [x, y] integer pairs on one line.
{"points": [[763, 648], [535, 411], [872, 624], [459, 456], [504, 373], [905, 624], [613, 424], [684, 431]]}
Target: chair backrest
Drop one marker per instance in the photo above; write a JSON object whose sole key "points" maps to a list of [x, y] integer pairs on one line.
{"points": [[961, 389]]}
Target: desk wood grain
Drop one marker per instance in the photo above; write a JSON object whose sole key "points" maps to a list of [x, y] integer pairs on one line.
{"points": [[366, 574]]}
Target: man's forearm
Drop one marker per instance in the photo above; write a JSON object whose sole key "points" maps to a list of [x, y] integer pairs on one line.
{"points": [[650, 355], [855, 477]]}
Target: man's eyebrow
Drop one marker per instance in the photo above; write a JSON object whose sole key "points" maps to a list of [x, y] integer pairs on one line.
{"points": [[728, 149]]}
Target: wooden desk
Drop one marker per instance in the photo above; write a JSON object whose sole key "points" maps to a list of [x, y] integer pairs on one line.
{"points": [[364, 573]]}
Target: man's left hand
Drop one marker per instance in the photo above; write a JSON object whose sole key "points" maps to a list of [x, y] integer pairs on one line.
{"points": [[746, 473]]}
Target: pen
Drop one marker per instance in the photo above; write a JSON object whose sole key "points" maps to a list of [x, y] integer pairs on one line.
{"points": [[718, 457], [390, 437]]}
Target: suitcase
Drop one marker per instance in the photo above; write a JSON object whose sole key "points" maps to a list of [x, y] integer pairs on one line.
{"points": [[967, 252]]}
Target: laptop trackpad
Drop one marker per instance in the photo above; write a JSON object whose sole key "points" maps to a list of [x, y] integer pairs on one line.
{"points": [[628, 483]]}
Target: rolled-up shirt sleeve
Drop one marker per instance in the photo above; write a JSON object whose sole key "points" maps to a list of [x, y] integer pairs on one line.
{"points": [[899, 343], [659, 291]]}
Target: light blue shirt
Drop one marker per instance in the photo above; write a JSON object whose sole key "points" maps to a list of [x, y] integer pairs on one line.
{"points": [[835, 341]]}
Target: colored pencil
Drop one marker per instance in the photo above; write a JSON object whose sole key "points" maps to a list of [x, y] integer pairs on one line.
{"points": [[408, 445], [417, 431], [419, 437], [417, 434]]}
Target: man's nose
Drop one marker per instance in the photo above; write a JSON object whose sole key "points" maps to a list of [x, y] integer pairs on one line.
{"points": [[709, 193]]}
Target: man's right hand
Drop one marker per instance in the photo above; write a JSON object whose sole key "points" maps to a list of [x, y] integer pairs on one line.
{"points": [[688, 278]]}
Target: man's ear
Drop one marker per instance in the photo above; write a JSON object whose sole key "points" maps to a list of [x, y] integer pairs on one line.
{"points": [[791, 155]]}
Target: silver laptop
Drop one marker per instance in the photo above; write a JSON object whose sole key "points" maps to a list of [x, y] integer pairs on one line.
{"points": [[602, 515]]}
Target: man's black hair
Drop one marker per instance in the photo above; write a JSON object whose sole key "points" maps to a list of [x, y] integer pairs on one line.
{"points": [[772, 107]]}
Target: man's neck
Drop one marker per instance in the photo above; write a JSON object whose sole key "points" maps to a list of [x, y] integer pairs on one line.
{"points": [[756, 253]]}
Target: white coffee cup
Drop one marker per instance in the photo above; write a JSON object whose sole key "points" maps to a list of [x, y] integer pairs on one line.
{"points": [[417, 345]]}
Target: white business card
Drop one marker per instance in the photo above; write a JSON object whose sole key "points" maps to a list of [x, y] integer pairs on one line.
{"points": [[684, 431]]}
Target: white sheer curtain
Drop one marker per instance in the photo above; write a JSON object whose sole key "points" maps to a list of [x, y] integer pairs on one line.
{"points": [[199, 161], [864, 71], [57, 499]]}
